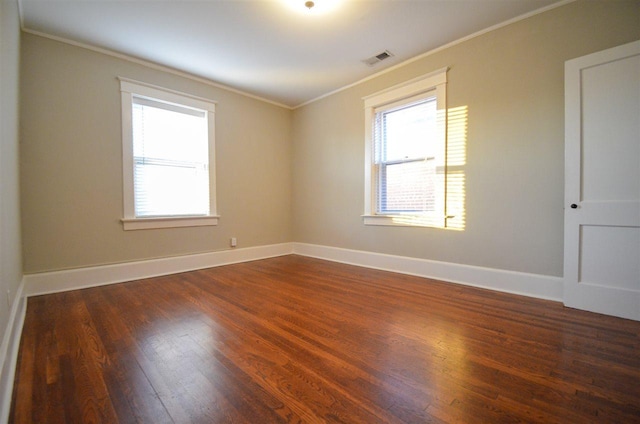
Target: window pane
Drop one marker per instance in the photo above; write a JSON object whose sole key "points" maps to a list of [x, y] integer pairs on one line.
{"points": [[162, 190], [163, 134], [407, 144], [404, 132], [170, 151], [408, 187]]}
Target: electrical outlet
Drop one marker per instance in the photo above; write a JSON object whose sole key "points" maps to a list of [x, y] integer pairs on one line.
{"points": [[233, 242]]}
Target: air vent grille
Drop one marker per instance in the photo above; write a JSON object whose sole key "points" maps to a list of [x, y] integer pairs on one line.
{"points": [[373, 60]]}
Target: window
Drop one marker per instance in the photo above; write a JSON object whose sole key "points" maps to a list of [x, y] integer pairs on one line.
{"points": [[168, 138], [406, 154]]}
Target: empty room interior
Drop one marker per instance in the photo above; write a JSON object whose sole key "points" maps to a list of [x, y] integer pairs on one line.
{"points": [[328, 211]]}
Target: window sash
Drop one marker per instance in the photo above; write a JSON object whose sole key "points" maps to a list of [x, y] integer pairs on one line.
{"points": [[410, 191], [172, 107], [177, 188], [406, 182], [164, 186]]}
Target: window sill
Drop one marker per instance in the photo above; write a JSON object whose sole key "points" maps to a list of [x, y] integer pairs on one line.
{"points": [[168, 222], [404, 220]]}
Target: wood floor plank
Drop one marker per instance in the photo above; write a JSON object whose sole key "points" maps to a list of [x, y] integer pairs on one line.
{"points": [[300, 340], [137, 402]]}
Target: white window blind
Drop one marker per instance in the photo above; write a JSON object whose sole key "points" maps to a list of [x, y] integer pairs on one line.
{"points": [[405, 153], [170, 159]]}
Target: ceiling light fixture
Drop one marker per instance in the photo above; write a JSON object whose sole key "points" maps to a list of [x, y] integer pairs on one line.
{"points": [[313, 8]]}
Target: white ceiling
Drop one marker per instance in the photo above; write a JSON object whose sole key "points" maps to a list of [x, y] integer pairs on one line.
{"points": [[274, 49]]}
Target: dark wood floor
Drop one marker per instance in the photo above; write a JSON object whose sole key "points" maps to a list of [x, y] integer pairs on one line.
{"points": [[295, 339]]}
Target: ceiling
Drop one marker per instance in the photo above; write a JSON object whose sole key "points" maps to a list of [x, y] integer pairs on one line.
{"points": [[274, 49]]}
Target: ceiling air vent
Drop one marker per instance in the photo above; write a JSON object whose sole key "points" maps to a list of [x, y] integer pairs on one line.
{"points": [[373, 60]]}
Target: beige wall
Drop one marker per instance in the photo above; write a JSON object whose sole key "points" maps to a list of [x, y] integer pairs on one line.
{"points": [[10, 259], [298, 176], [71, 169], [511, 83]]}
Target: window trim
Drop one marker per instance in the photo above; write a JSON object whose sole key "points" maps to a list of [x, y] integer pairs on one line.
{"points": [[128, 89], [434, 81]]}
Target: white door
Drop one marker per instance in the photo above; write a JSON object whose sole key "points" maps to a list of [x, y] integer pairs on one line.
{"points": [[602, 182]]}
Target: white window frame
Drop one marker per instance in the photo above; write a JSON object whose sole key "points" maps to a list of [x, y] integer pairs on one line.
{"points": [[436, 83], [128, 89]]}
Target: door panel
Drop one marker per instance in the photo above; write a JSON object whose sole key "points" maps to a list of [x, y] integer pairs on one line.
{"points": [[598, 266], [611, 158], [602, 182]]}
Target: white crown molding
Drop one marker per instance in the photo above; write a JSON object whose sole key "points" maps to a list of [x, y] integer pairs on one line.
{"points": [[80, 278], [9, 351], [532, 285], [438, 49], [207, 81], [150, 64]]}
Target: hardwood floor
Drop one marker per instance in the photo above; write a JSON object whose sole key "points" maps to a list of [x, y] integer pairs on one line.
{"points": [[294, 339]]}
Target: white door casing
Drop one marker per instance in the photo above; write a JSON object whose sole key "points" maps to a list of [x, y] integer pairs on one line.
{"points": [[602, 182]]}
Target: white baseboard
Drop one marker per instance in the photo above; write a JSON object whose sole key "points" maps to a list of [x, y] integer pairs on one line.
{"points": [[59, 281], [9, 351], [532, 285]]}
